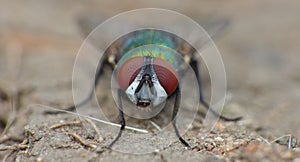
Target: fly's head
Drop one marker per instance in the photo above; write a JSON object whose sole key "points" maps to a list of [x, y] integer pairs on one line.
{"points": [[147, 81], [146, 90]]}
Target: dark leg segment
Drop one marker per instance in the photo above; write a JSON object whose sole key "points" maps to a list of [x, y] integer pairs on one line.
{"points": [[175, 111], [122, 120], [195, 66], [89, 97]]}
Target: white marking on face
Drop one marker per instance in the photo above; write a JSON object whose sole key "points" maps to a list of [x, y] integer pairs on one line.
{"points": [[155, 94]]}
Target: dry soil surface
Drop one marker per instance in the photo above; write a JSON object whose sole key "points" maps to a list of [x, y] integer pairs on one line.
{"points": [[39, 41]]}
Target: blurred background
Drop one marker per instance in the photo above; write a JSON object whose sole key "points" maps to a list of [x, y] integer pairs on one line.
{"points": [[39, 41]]}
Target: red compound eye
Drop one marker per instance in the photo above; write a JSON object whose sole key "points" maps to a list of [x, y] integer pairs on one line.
{"points": [[129, 71], [166, 74]]}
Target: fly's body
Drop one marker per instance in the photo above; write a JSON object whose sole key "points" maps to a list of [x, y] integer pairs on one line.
{"points": [[148, 36], [148, 65], [143, 37]]}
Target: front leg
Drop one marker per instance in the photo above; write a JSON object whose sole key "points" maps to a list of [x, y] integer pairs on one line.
{"points": [[122, 119], [194, 64], [175, 111], [88, 98]]}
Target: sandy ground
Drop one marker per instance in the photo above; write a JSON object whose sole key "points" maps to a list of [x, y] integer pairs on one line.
{"points": [[38, 45]]}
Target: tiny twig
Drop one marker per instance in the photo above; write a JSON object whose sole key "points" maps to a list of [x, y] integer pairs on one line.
{"points": [[74, 135], [118, 125], [13, 147], [289, 143], [155, 125], [5, 148], [14, 60], [244, 143], [12, 115], [7, 156], [65, 124], [95, 128], [82, 141], [24, 142], [95, 119], [6, 137]]}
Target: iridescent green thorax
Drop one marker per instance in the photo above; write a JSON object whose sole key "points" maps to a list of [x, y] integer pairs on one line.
{"points": [[153, 51], [148, 36], [149, 42]]}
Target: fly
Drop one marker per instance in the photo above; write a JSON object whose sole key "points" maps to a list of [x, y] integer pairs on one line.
{"points": [[149, 72]]}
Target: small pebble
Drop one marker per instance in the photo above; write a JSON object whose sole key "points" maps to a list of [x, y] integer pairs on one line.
{"points": [[39, 159], [219, 139]]}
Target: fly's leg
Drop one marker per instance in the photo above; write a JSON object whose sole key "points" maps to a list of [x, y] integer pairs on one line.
{"points": [[90, 96], [175, 111], [122, 119], [194, 64]]}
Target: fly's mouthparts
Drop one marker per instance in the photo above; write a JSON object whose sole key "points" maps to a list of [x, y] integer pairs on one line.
{"points": [[143, 103]]}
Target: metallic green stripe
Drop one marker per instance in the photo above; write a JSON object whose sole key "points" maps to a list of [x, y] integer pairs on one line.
{"points": [[152, 50]]}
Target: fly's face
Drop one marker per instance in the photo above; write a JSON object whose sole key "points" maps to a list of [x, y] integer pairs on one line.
{"points": [[147, 71], [147, 66], [147, 81]]}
